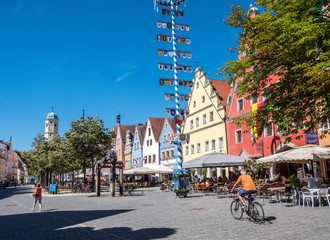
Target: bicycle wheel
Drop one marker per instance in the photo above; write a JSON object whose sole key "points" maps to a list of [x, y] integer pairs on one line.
{"points": [[236, 209], [257, 212]]}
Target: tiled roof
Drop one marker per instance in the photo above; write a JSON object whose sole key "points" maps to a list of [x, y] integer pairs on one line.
{"points": [[222, 88], [156, 126], [124, 128], [141, 129], [172, 124]]}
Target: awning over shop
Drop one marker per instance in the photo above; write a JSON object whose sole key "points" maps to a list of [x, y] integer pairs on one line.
{"points": [[215, 159], [303, 154]]}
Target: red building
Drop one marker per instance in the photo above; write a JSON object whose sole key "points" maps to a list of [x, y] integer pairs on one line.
{"points": [[241, 141]]}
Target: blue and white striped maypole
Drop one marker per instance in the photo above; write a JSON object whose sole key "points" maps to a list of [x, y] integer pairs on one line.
{"points": [[176, 86]]}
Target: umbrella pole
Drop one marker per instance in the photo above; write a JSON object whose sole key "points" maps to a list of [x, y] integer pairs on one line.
{"points": [[312, 167]]}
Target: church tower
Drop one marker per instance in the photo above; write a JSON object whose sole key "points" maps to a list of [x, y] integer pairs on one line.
{"points": [[51, 126]]}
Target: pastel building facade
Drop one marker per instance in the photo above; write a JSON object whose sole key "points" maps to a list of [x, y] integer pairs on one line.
{"points": [[168, 150], [137, 151], [205, 123], [151, 145]]}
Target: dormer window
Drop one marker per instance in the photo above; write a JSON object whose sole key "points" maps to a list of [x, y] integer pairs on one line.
{"points": [[197, 85], [194, 104], [203, 98]]}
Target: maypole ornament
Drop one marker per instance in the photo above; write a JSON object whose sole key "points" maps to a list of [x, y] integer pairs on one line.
{"points": [[170, 7]]}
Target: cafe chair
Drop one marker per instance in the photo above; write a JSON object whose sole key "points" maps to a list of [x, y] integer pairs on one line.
{"points": [[307, 196]]}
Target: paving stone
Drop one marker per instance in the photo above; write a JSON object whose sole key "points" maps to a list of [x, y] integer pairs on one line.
{"points": [[151, 215]]}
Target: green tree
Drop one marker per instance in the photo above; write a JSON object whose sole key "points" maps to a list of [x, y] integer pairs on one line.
{"points": [[88, 140], [289, 40]]}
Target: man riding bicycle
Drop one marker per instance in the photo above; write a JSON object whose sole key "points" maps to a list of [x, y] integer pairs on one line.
{"points": [[248, 186]]}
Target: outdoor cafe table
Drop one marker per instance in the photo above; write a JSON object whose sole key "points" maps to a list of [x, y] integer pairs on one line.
{"points": [[276, 190]]}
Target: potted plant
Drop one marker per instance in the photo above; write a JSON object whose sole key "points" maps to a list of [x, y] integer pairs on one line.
{"points": [[294, 180]]}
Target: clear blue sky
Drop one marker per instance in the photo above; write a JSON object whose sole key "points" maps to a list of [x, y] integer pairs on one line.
{"points": [[98, 55]]}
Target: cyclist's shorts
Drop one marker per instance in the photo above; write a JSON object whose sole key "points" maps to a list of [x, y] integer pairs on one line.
{"points": [[244, 192]]}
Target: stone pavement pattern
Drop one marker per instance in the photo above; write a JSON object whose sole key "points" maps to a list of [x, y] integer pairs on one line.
{"points": [[150, 215]]}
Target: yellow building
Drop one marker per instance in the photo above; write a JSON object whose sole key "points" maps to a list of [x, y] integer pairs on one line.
{"points": [[205, 123]]}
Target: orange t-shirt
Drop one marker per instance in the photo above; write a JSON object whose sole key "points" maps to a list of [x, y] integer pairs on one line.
{"points": [[38, 189], [247, 182]]}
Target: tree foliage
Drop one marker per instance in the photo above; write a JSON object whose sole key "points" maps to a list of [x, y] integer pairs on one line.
{"points": [[89, 140], [289, 41], [86, 141]]}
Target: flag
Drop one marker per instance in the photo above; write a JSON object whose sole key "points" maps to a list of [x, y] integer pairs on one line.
{"points": [[181, 97], [179, 54], [171, 67], [166, 82], [168, 11], [172, 112], [167, 111], [187, 28], [160, 66], [185, 83], [160, 52], [178, 40], [184, 55], [179, 68], [189, 54], [180, 83], [169, 39], [163, 24], [159, 24], [190, 69], [164, 38], [163, 11], [254, 112], [172, 97], [170, 53], [183, 40], [186, 97], [176, 13], [165, 53], [181, 13], [185, 68], [182, 111], [169, 25], [161, 81], [177, 26], [159, 37], [191, 84], [182, 27], [188, 40], [165, 67], [172, 82], [167, 96]]}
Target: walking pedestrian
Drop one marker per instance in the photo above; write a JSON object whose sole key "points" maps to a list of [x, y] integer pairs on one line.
{"points": [[37, 197]]}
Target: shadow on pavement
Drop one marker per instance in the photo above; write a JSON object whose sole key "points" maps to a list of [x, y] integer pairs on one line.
{"points": [[269, 219], [71, 225], [10, 191]]}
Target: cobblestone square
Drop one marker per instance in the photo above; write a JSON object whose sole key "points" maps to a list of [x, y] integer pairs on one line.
{"points": [[151, 214]]}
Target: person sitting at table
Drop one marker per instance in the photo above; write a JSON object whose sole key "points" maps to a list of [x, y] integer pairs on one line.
{"points": [[196, 179], [248, 186]]}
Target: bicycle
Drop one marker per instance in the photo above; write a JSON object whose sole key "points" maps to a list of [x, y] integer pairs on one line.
{"points": [[254, 210]]}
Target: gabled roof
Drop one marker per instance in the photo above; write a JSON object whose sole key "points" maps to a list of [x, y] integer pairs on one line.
{"points": [[141, 130], [156, 126], [123, 130], [222, 88], [172, 124]]}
